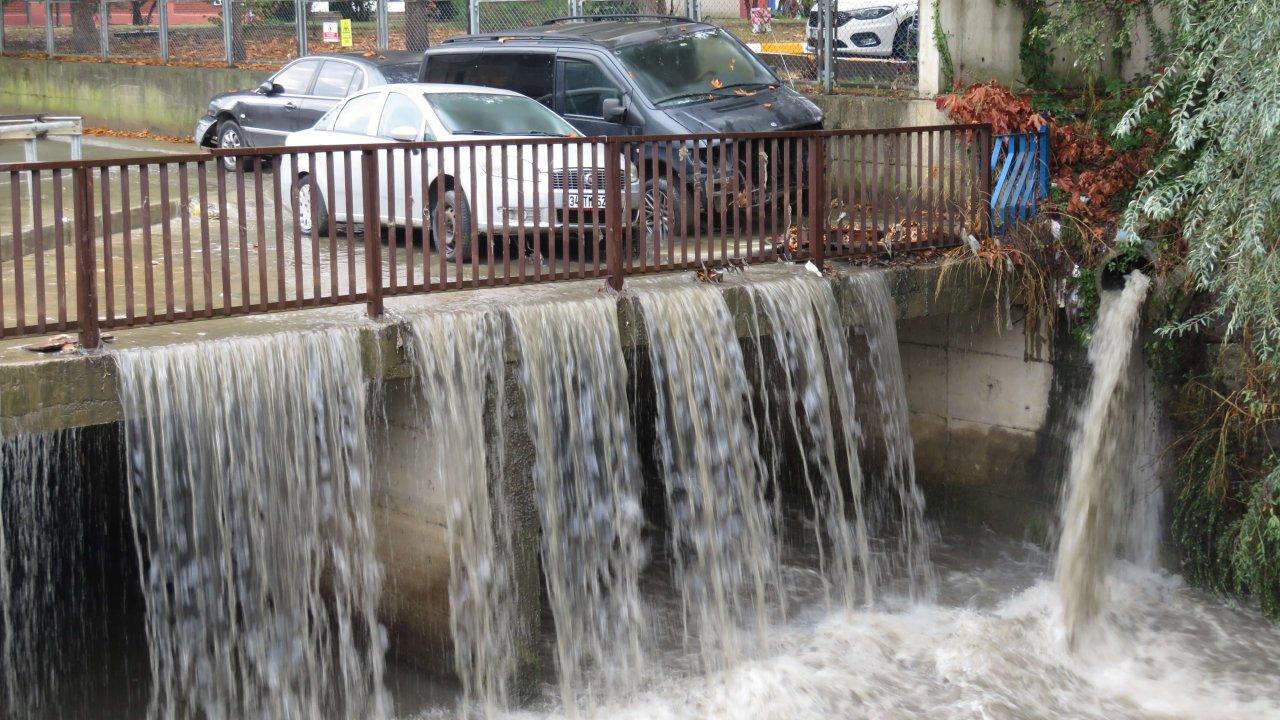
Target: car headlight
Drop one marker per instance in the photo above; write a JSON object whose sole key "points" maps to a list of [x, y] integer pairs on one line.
{"points": [[874, 13]]}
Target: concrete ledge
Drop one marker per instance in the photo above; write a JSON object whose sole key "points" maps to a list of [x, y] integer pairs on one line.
{"points": [[40, 393]]}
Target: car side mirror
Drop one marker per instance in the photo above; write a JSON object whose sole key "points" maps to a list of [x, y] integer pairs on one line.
{"points": [[404, 133], [269, 88], [614, 111]]}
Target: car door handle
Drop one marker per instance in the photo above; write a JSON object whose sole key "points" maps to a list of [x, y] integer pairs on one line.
{"points": [[290, 106]]}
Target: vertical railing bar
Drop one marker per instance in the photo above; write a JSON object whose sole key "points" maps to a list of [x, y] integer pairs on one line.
{"points": [[184, 210], [390, 195], [126, 248], [583, 192], [148, 277], [59, 253], [206, 251], [37, 227], [242, 236], [506, 216], [673, 222], [817, 198], [314, 239], [331, 202], [259, 199], [19, 289], [521, 235], [459, 191], [86, 268], [790, 191], [348, 194], [615, 187], [473, 198], [166, 237], [277, 202], [108, 260], [372, 232], [491, 195], [735, 190], [407, 166], [564, 271]]}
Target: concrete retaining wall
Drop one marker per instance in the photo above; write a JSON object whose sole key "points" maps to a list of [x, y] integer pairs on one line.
{"points": [[162, 99]]}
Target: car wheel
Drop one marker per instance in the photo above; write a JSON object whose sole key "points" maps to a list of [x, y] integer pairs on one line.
{"points": [[231, 136], [451, 225], [906, 42], [313, 214]]}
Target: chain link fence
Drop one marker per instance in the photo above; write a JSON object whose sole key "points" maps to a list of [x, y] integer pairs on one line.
{"points": [[808, 43]]}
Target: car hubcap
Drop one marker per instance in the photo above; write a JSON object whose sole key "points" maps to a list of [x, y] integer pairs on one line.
{"points": [[655, 220], [448, 218], [230, 140], [304, 208]]}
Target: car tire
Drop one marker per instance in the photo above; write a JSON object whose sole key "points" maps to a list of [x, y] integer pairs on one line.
{"points": [[455, 220], [231, 135], [906, 42], [309, 200]]}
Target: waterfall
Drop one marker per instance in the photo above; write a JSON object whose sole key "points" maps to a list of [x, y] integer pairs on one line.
{"points": [[1099, 490], [41, 577], [587, 480], [910, 556], [813, 388], [459, 364], [249, 488], [722, 538]]}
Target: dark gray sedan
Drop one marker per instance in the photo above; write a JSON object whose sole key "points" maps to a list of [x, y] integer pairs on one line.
{"points": [[295, 97]]}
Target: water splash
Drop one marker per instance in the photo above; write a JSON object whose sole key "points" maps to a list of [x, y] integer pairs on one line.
{"points": [[1099, 488], [813, 390], [41, 578], [722, 538], [910, 556], [588, 484], [460, 372], [249, 488]]}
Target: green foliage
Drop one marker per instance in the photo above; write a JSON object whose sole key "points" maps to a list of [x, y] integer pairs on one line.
{"points": [[1034, 54], [944, 49]]}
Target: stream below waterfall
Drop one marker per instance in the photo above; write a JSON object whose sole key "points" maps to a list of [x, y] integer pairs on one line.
{"points": [[729, 525]]}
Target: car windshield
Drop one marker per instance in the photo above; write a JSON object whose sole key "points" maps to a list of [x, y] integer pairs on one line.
{"points": [[400, 72], [687, 68], [488, 114]]}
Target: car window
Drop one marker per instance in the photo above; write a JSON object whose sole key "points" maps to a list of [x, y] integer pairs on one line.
{"points": [[400, 72], [688, 67], [354, 117], [531, 74], [296, 78], [335, 78], [485, 114], [586, 87], [399, 112]]}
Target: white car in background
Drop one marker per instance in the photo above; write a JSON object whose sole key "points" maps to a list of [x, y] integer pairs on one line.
{"points": [[507, 190], [871, 28]]}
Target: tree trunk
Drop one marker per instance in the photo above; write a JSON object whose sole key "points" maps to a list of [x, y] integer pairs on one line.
{"points": [[84, 31], [418, 16]]}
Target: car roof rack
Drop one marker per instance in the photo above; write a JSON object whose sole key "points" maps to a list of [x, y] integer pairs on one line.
{"points": [[598, 18]]}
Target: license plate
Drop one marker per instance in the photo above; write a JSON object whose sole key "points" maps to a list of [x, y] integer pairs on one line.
{"points": [[586, 202]]}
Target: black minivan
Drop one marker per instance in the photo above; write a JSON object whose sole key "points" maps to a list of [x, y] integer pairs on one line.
{"points": [[633, 75]]}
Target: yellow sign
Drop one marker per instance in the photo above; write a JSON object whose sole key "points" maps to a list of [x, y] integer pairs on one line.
{"points": [[344, 32]]}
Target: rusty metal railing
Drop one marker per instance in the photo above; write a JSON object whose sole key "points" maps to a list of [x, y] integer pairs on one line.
{"points": [[142, 241]]}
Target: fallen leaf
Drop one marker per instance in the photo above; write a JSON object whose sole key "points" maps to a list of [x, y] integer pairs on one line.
{"points": [[767, 105], [715, 83]]}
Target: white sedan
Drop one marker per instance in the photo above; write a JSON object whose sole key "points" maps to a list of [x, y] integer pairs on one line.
{"points": [[873, 28], [509, 189]]}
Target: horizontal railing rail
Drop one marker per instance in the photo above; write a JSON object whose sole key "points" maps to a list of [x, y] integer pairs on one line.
{"points": [[93, 245]]}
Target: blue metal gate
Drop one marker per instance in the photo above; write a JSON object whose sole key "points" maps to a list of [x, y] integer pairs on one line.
{"points": [[1020, 170]]}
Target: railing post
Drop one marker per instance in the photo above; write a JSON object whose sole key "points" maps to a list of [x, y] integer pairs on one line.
{"points": [[162, 7], [86, 262], [372, 231], [614, 244], [817, 166], [49, 48], [984, 164]]}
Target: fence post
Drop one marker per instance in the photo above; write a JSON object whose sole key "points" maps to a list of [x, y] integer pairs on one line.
{"points": [[104, 29], [473, 16], [826, 19], [613, 238], [817, 166], [228, 41], [300, 25], [86, 263], [1, 28], [372, 231], [693, 9], [984, 164], [48, 28], [383, 39], [163, 7]]}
